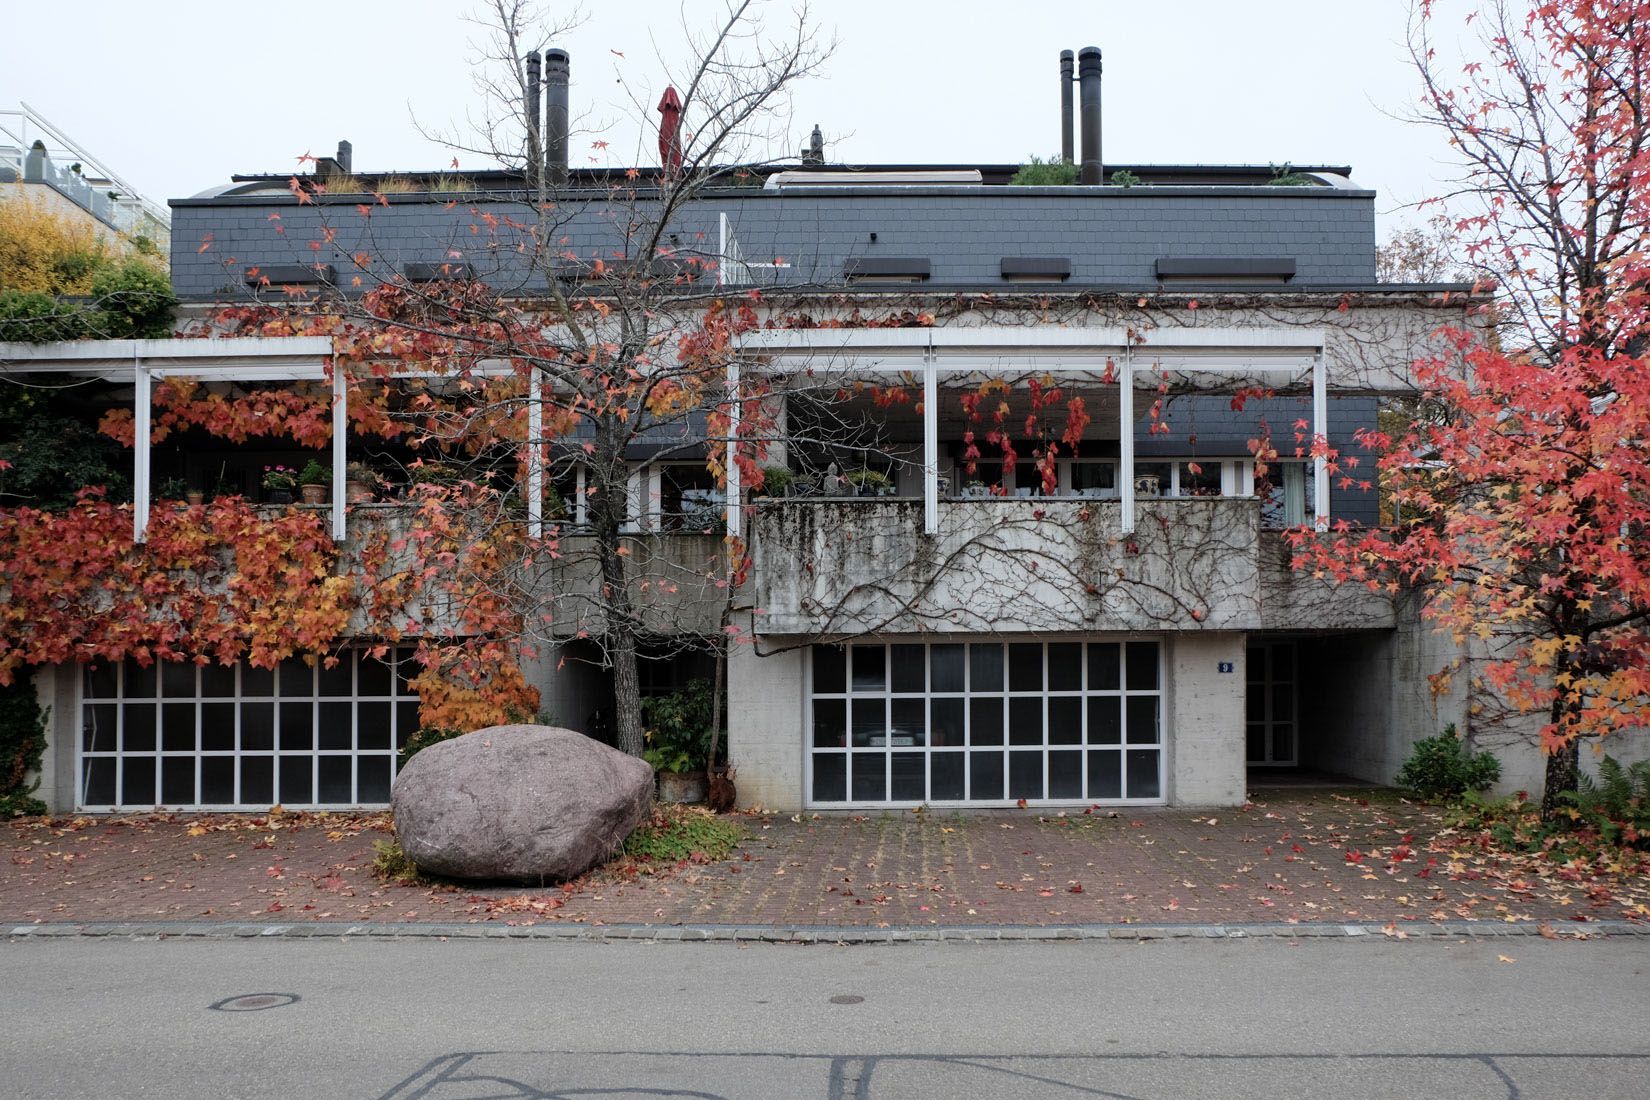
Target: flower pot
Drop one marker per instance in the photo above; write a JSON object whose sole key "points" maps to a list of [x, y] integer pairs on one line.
{"points": [[279, 496], [357, 492], [681, 786], [314, 494], [194, 497]]}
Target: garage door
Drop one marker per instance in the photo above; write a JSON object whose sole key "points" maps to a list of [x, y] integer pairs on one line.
{"points": [[985, 723], [212, 737]]}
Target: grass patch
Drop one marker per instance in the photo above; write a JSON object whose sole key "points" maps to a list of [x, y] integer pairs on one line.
{"points": [[677, 832], [390, 864]]}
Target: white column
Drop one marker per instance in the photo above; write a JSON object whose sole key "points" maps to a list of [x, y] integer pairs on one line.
{"points": [[930, 444], [735, 513], [535, 455], [140, 451], [1125, 441], [1320, 431], [340, 444]]}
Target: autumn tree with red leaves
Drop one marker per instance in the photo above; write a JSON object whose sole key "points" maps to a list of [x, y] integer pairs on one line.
{"points": [[1525, 506]]}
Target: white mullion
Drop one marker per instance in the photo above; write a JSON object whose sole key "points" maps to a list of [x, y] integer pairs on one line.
{"points": [[1125, 442]]}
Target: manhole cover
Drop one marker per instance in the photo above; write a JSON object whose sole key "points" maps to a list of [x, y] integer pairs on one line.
{"points": [[846, 999], [254, 1002]]}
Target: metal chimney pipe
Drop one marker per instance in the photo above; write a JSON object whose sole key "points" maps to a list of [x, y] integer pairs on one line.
{"points": [[1067, 152], [1088, 80], [530, 108], [816, 148], [346, 157], [555, 115]]}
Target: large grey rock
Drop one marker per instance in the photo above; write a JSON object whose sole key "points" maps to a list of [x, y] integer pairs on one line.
{"points": [[523, 803]]}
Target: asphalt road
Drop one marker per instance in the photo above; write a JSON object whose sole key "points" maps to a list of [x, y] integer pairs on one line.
{"points": [[1521, 1017]]}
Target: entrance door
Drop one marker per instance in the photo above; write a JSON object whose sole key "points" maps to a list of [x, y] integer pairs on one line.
{"points": [[1271, 704]]}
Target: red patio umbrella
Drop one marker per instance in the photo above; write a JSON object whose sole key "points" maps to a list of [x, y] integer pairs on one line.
{"points": [[670, 138]]}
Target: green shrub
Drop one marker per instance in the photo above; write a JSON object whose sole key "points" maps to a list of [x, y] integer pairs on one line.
{"points": [[390, 864], [425, 737], [134, 302], [1616, 805], [1037, 172], [1438, 768], [678, 832], [22, 744], [314, 473], [678, 728]]}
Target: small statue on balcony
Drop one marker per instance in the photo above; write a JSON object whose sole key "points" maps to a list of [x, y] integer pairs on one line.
{"points": [[835, 484]]}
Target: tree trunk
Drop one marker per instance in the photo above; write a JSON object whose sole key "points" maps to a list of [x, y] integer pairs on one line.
{"points": [[608, 507], [1563, 764], [627, 695]]}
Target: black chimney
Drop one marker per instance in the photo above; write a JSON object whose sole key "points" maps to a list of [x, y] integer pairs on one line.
{"points": [[1088, 78], [555, 115], [814, 157], [534, 96], [346, 157], [1067, 152]]}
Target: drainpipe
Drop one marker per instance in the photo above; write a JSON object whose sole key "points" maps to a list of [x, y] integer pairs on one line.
{"points": [[1088, 79]]}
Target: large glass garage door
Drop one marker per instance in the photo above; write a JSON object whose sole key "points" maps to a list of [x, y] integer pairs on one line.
{"points": [[986, 723], [244, 738]]}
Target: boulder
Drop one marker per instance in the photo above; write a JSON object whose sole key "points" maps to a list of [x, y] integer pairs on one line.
{"points": [[526, 804]]}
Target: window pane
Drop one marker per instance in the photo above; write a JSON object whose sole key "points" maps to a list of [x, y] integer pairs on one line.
{"points": [[257, 727], [830, 670], [257, 682], [177, 780], [945, 667], [1025, 775], [140, 682], [910, 722], [297, 678], [985, 721], [297, 726], [869, 671], [217, 780], [98, 785], [1105, 721], [1065, 720], [945, 722], [1065, 666], [870, 722], [1255, 741], [908, 662], [177, 727], [945, 776], [1105, 774], [1142, 666], [1025, 721], [985, 668], [406, 723], [985, 775], [102, 681], [337, 780], [375, 677], [137, 779], [1143, 773], [830, 722], [177, 680], [1025, 666], [830, 777], [1283, 702], [218, 681], [258, 780], [337, 681], [870, 781], [1142, 723], [138, 734], [1103, 665], [334, 731], [1200, 479], [372, 725], [297, 780], [1065, 775], [218, 727], [98, 728], [909, 780], [373, 778]]}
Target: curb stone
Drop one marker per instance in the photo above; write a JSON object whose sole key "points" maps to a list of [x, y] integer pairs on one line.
{"points": [[822, 934]]}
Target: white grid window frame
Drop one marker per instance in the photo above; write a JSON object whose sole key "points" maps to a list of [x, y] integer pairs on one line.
{"points": [[240, 738], [896, 723]]}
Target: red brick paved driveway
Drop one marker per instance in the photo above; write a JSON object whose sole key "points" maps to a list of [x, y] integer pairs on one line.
{"points": [[1290, 856]]}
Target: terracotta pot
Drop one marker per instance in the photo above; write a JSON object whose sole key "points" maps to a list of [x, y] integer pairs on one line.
{"points": [[194, 497], [681, 786], [357, 492], [315, 494]]}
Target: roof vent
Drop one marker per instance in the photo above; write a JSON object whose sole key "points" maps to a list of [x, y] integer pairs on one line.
{"points": [[1035, 269], [1226, 268], [887, 269]]}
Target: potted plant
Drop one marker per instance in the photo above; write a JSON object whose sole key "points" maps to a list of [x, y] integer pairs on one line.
{"points": [[314, 482], [776, 481], [678, 740], [360, 483], [173, 488], [871, 483], [278, 482]]}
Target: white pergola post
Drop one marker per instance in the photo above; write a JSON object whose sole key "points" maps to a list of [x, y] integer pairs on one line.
{"points": [[140, 451], [735, 509], [535, 455], [930, 444], [1320, 432], [1125, 441], [340, 445]]}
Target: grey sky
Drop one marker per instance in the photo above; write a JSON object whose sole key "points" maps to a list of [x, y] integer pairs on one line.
{"points": [[178, 95]]}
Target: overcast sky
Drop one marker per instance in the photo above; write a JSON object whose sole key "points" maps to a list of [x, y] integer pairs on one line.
{"points": [[177, 96]]}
